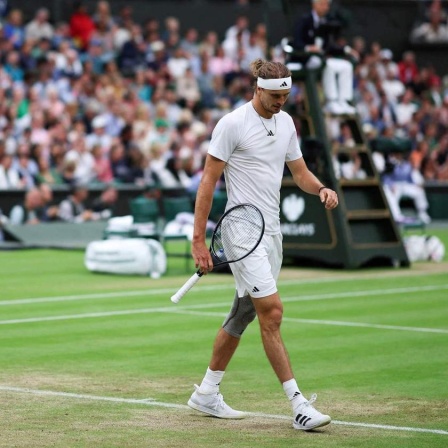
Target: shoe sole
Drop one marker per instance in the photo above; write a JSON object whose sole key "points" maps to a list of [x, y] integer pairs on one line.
{"points": [[214, 413], [319, 425]]}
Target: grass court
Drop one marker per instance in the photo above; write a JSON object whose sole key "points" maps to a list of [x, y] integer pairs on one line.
{"points": [[91, 360]]}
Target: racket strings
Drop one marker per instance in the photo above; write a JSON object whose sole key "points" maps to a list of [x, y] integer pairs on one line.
{"points": [[237, 234]]}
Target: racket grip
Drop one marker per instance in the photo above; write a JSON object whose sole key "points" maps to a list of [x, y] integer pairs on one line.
{"points": [[186, 287]]}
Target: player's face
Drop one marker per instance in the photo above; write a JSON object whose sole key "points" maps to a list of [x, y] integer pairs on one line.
{"points": [[273, 100]]}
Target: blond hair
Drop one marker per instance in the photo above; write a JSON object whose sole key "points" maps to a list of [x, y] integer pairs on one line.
{"points": [[268, 69]]}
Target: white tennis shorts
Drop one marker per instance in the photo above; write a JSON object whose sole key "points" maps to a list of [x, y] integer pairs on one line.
{"points": [[257, 274]]}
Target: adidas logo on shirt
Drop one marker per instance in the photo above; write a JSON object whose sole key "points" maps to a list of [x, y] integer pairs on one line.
{"points": [[270, 134]]}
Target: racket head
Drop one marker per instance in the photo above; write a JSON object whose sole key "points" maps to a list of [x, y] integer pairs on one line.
{"points": [[237, 234]]}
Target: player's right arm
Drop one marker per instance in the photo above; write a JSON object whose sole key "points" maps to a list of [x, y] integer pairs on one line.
{"points": [[212, 172]]}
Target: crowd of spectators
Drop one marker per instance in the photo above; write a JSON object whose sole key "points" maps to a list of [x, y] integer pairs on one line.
{"points": [[105, 98], [432, 25]]}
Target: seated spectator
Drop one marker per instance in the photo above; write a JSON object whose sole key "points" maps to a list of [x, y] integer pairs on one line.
{"points": [[392, 86], [68, 172], [106, 202], [103, 37], [83, 160], [73, 208], [405, 108], [67, 62], [312, 36], [346, 165], [103, 15], [241, 28], [188, 89], [9, 176], [433, 31], [102, 166], [98, 136], [49, 211], [121, 170], [189, 43], [209, 44], [114, 122], [48, 175], [140, 85], [162, 134], [386, 63], [39, 27], [81, 25], [407, 68], [131, 56], [13, 29], [13, 67], [26, 167], [437, 166], [251, 52], [402, 180], [219, 64], [27, 212], [386, 111], [158, 170], [178, 63]]}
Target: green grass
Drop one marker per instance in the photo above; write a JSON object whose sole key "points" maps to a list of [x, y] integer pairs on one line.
{"points": [[363, 374]]}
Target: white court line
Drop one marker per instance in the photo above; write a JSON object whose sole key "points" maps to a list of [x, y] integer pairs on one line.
{"points": [[151, 402], [192, 311], [366, 325], [328, 322], [169, 291]]}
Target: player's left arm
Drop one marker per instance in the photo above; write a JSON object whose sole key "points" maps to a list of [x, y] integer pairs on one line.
{"points": [[309, 183]]}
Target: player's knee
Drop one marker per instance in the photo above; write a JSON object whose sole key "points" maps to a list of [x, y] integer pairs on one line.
{"points": [[271, 319], [241, 315]]}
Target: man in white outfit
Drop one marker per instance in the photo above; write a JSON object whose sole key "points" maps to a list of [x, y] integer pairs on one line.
{"points": [[251, 145], [312, 35], [402, 180]]}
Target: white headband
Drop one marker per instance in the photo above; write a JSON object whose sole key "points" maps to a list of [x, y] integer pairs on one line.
{"points": [[274, 84]]}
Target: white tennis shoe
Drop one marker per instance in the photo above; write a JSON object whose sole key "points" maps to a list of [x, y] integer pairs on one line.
{"points": [[306, 417], [213, 404]]}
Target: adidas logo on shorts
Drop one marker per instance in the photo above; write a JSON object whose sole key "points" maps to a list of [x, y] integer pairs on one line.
{"points": [[255, 289]]}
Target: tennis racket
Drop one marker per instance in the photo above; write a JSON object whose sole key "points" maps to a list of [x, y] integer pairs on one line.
{"points": [[236, 235]]}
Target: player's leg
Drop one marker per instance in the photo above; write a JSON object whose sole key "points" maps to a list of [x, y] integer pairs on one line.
{"points": [[223, 350], [206, 397], [240, 316], [269, 310]]}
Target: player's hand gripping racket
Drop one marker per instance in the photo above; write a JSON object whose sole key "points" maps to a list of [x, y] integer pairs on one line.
{"points": [[237, 234]]}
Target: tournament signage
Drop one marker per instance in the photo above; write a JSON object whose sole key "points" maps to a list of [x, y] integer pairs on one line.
{"points": [[304, 221]]}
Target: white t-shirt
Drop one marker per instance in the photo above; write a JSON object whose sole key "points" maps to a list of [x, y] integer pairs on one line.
{"points": [[255, 161]]}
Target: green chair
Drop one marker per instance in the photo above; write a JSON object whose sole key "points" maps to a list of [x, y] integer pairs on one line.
{"points": [[147, 216], [172, 206]]}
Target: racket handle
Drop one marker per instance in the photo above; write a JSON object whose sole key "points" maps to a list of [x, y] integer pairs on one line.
{"points": [[186, 287]]}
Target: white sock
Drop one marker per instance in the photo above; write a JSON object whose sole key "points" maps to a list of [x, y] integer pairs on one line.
{"points": [[293, 393], [212, 380]]}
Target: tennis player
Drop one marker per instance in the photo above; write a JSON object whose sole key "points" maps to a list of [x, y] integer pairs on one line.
{"points": [[251, 145]]}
